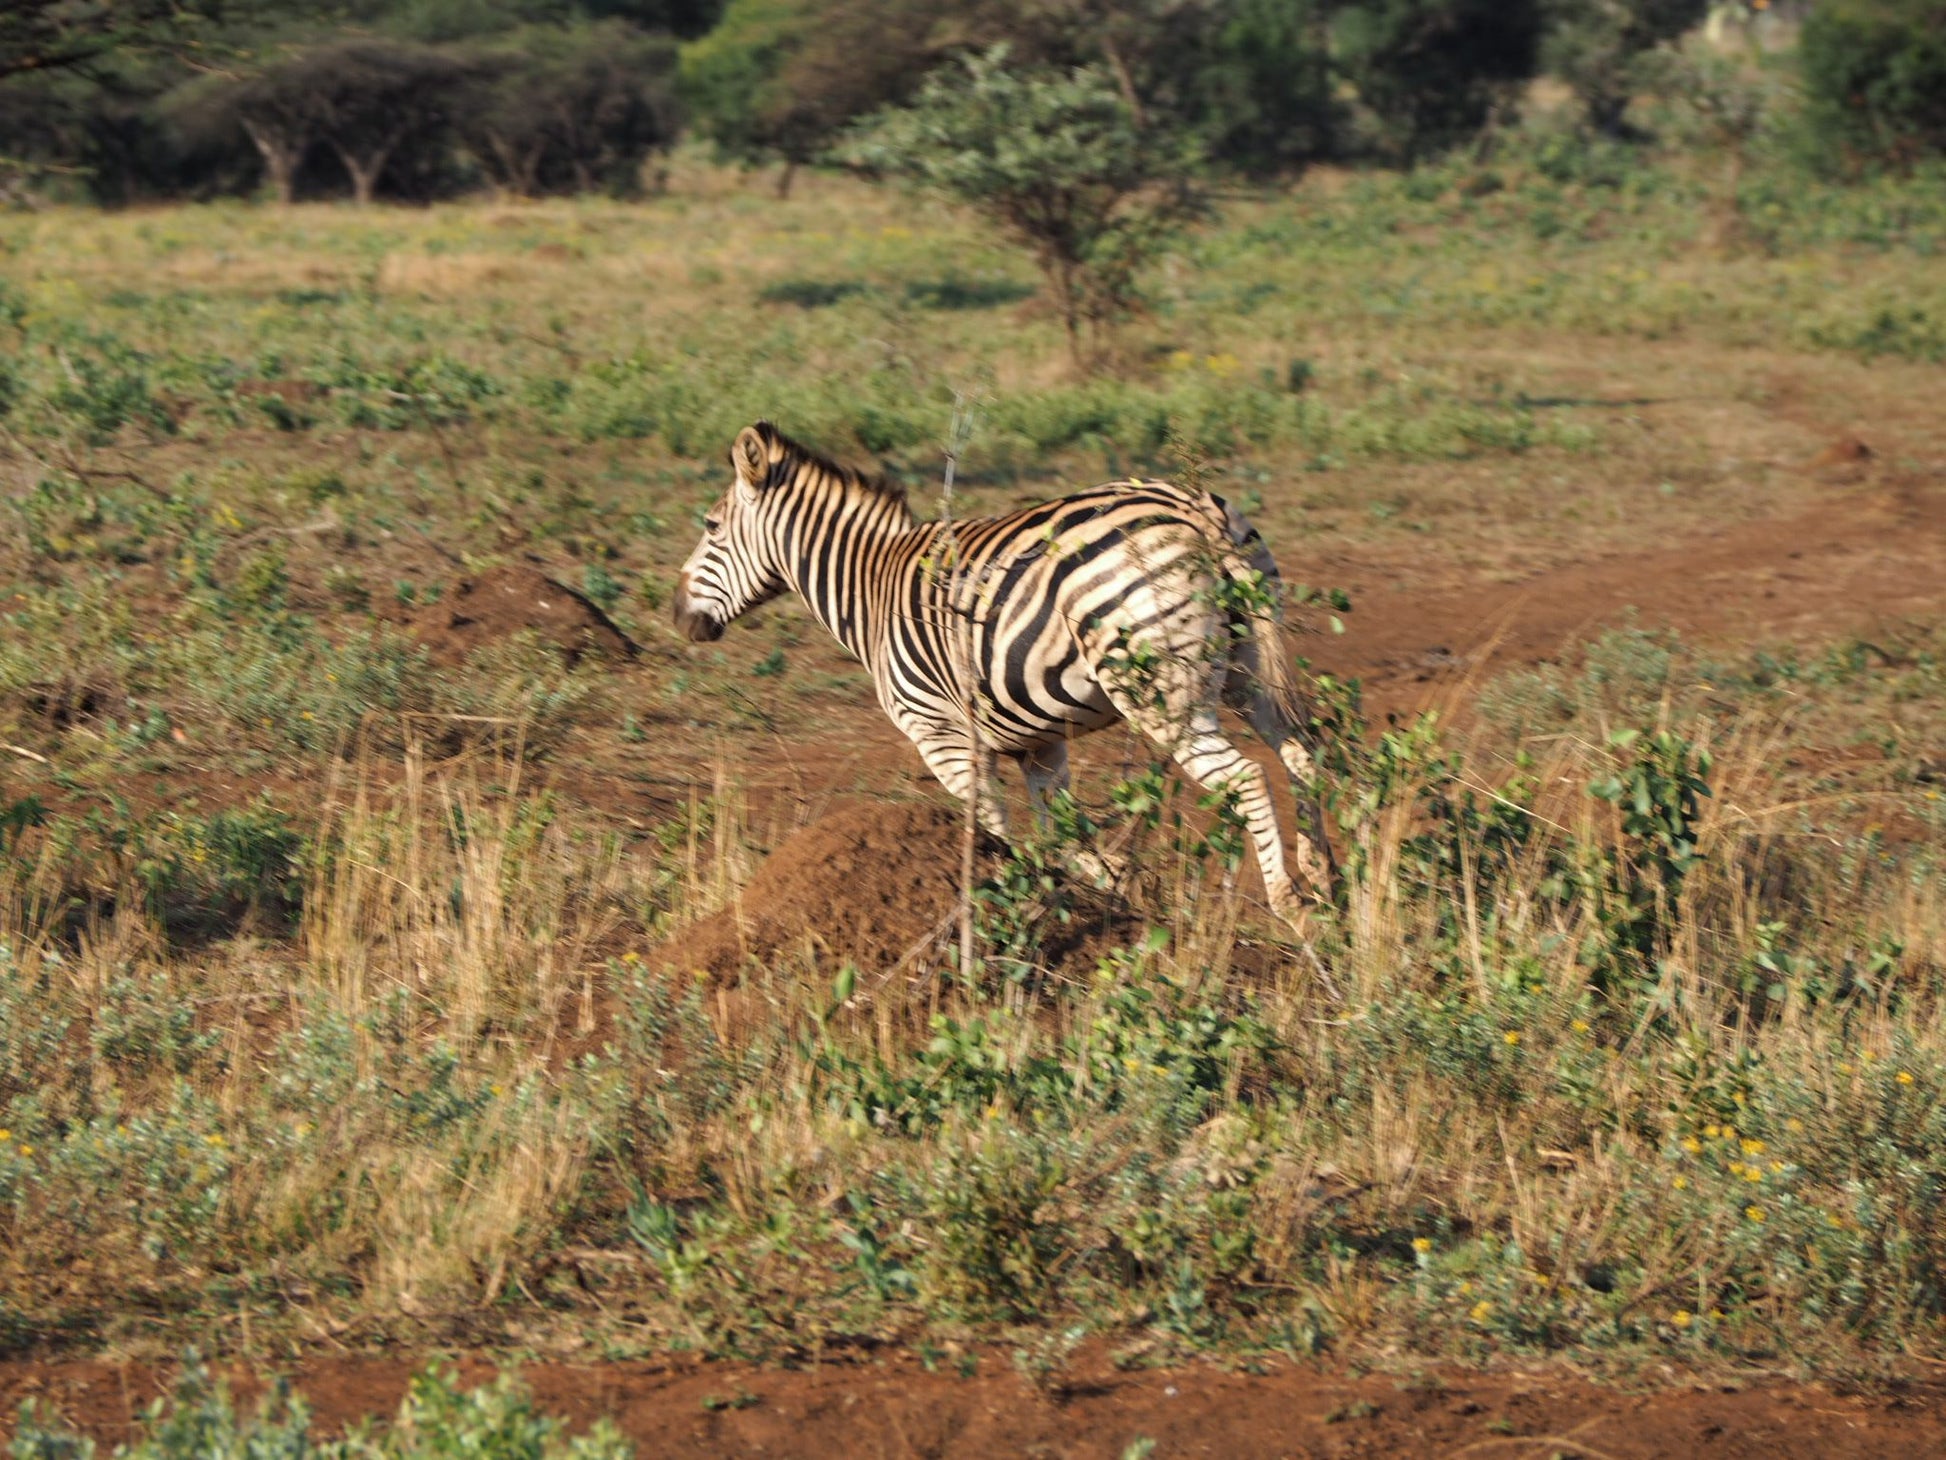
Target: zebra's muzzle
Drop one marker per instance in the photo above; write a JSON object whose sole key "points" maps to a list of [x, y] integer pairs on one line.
{"points": [[696, 622]]}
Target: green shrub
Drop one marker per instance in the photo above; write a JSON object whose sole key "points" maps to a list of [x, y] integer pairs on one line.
{"points": [[1057, 159], [437, 1420], [1875, 78]]}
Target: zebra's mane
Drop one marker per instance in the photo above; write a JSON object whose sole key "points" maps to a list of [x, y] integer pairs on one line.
{"points": [[793, 458]]}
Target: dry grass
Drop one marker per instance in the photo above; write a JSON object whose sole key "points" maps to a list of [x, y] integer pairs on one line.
{"points": [[377, 1056]]}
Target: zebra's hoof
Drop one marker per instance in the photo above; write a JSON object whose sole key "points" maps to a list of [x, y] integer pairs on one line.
{"points": [[1104, 872]]}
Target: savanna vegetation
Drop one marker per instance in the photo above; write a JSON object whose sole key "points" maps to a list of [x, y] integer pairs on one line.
{"points": [[330, 992], [406, 99]]}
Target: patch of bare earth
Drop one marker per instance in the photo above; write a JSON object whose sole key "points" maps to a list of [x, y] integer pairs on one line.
{"points": [[896, 1407], [500, 602]]}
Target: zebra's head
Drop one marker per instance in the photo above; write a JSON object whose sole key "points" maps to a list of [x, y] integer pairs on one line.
{"points": [[735, 567]]}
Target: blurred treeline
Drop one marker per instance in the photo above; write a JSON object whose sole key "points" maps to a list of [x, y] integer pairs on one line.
{"points": [[139, 100]]}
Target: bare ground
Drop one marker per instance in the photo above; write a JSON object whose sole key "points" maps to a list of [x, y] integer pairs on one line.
{"points": [[896, 1408]]}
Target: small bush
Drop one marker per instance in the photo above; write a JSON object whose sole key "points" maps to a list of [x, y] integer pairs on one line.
{"points": [[1875, 79], [437, 1420]]}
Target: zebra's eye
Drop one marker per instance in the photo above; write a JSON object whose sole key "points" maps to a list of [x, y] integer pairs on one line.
{"points": [[712, 526]]}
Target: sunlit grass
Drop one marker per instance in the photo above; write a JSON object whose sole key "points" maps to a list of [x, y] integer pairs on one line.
{"points": [[328, 993]]}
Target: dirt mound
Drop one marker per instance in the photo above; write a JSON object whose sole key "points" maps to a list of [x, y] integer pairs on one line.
{"points": [[503, 601], [1845, 451], [869, 884], [876, 885]]}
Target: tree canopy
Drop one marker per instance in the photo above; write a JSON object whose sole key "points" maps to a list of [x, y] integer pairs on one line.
{"points": [[151, 98], [58, 35]]}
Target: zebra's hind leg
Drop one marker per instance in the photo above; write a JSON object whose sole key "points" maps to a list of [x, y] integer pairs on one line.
{"points": [[1045, 769], [1281, 727], [1206, 755]]}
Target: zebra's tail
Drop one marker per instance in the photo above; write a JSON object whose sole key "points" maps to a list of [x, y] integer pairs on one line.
{"points": [[1246, 562]]}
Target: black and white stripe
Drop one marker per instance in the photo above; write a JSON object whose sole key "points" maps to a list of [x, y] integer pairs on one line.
{"points": [[1010, 635]]}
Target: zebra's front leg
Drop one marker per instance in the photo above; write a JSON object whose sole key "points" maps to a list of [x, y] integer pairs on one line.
{"points": [[1045, 769], [972, 777]]}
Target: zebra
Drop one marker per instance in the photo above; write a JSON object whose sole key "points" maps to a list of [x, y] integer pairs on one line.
{"points": [[1010, 635]]}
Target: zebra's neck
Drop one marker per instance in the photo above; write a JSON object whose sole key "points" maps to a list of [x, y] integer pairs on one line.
{"points": [[835, 540]]}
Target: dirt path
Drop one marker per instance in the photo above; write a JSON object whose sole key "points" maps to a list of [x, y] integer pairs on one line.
{"points": [[898, 1409], [1861, 558]]}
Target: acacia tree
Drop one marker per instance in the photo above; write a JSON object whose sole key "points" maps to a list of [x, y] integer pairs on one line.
{"points": [[1433, 72], [368, 97], [361, 98], [1057, 159], [781, 79], [558, 111], [58, 35]]}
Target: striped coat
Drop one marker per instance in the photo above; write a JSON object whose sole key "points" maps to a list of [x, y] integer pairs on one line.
{"points": [[1010, 635]]}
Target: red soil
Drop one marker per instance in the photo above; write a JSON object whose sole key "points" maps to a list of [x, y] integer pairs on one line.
{"points": [[1862, 558], [673, 1410], [507, 600]]}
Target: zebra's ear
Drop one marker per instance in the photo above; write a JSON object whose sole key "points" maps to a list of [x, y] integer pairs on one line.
{"points": [[750, 457]]}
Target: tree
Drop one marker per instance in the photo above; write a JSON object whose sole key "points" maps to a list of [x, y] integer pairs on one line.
{"points": [[1598, 48], [1875, 79], [1262, 93], [685, 18], [280, 122], [1431, 72], [58, 35], [781, 79], [1249, 77], [361, 98], [553, 111], [1057, 160]]}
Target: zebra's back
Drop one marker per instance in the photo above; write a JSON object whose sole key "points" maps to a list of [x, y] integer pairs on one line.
{"points": [[1022, 610]]}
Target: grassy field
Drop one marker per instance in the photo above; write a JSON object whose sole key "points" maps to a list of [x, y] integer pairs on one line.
{"points": [[329, 1000]]}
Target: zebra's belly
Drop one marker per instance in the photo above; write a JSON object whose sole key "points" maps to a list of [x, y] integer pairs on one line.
{"points": [[1027, 716]]}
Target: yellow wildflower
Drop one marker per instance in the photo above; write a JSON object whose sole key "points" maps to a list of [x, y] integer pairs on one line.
{"points": [[1422, 1244], [1480, 1310], [1755, 1214], [1681, 1317], [1580, 1026], [1682, 1183], [1513, 1036], [1691, 1145], [1753, 1148], [1905, 1077], [1712, 1131]]}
